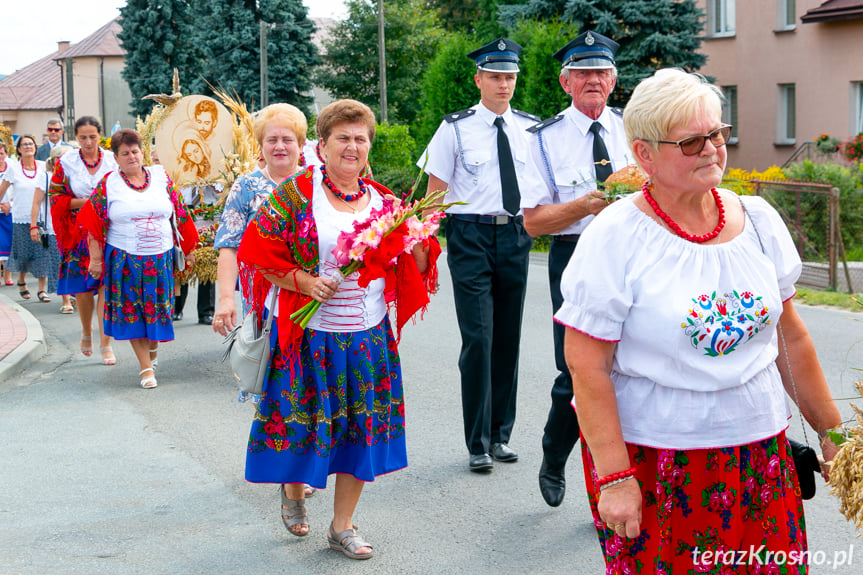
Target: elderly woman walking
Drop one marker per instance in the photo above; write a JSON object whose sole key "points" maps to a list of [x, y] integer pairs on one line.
{"points": [[131, 237], [27, 256], [333, 401], [682, 339]]}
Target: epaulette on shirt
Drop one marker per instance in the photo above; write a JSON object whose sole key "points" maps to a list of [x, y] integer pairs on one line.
{"points": [[526, 115], [450, 118], [618, 111], [545, 124]]}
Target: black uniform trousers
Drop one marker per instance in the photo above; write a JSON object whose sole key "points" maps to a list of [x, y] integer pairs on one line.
{"points": [[561, 429], [206, 299], [488, 264]]}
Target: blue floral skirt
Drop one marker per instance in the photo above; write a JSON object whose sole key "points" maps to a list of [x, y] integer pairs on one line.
{"points": [[5, 235], [27, 256], [139, 295], [344, 414], [73, 277]]}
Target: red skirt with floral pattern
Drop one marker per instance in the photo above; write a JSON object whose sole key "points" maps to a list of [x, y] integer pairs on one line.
{"points": [[722, 511]]}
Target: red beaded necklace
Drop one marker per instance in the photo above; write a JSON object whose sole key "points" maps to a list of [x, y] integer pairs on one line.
{"points": [[645, 189], [340, 194], [35, 170], [134, 187], [89, 165]]}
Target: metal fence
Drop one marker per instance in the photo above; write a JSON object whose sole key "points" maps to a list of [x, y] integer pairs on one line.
{"points": [[812, 214]]}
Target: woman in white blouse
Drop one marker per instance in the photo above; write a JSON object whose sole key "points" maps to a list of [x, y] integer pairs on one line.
{"points": [[131, 243], [27, 256], [672, 302]]}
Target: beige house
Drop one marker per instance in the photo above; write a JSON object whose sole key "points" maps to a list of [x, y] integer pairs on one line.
{"points": [[78, 80], [791, 70]]}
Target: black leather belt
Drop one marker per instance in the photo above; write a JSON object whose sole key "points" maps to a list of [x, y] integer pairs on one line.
{"points": [[571, 238], [491, 220]]}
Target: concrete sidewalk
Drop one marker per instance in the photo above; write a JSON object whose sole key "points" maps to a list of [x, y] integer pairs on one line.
{"points": [[22, 341]]}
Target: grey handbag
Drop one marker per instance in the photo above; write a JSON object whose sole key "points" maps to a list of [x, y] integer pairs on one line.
{"points": [[249, 349]]}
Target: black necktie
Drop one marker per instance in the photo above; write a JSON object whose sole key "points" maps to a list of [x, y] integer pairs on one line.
{"points": [[601, 161], [508, 181]]}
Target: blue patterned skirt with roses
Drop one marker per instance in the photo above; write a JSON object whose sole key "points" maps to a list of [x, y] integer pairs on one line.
{"points": [[139, 295], [342, 412], [73, 278]]}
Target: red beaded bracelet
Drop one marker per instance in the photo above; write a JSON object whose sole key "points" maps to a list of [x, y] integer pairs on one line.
{"points": [[615, 477]]}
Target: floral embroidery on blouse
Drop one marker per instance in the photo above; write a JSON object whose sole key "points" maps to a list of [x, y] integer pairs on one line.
{"points": [[721, 323]]}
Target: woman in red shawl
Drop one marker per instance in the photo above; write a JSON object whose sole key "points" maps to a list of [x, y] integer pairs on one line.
{"points": [[333, 398]]}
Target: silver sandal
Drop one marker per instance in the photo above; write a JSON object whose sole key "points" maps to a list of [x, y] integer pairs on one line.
{"points": [[348, 542], [293, 513]]}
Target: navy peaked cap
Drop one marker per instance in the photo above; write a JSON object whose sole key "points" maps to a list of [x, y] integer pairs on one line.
{"points": [[588, 50], [498, 56]]}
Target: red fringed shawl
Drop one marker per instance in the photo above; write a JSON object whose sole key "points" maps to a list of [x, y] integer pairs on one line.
{"points": [[62, 215], [93, 217], [282, 239]]}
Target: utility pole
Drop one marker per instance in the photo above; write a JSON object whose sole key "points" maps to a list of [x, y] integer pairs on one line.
{"points": [[383, 61], [264, 80]]}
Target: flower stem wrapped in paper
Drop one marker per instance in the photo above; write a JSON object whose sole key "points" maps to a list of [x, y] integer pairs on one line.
{"points": [[623, 182], [373, 247]]}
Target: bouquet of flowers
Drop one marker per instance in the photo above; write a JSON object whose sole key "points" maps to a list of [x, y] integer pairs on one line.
{"points": [[623, 182], [846, 470], [374, 244]]}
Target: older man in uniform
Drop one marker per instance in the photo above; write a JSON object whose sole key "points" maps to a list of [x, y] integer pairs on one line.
{"points": [[481, 154], [574, 151]]}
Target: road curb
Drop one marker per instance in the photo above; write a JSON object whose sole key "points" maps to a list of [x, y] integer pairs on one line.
{"points": [[30, 350]]}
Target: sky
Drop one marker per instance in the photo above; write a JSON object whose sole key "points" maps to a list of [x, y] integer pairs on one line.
{"points": [[29, 35]]}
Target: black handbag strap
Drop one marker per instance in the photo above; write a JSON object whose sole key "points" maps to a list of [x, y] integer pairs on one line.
{"points": [[781, 334]]}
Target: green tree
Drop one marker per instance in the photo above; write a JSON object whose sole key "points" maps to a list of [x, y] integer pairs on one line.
{"points": [[392, 157], [652, 33], [350, 67], [539, 91], [230, 32], [478, 17], [158, 36], [447, 85]]}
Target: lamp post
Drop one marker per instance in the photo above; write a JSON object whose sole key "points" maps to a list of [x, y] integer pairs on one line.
{"points": [[382, 61]]}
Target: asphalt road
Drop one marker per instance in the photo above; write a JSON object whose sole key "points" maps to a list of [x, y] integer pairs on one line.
{"points": [[100, 476]]}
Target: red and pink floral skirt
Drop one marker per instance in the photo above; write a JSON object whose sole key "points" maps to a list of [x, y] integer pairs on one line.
{"points": [[720, 511]]}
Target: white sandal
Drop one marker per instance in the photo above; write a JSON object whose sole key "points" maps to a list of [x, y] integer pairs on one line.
{"points": [[148, 382]]}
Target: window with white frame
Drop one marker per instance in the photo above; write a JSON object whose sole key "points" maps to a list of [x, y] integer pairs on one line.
{"points": [[720, 18], [856, 108], [786, 15], [729, 110], [786, 119]]}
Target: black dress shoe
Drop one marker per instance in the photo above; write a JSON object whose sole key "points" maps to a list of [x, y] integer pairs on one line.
{"points": [[206, 320], [481, 462], [503, 452], [552, 483], [177, 316]]}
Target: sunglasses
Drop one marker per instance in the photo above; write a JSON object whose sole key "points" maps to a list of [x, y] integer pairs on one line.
{"points": [[693, 145], [55, 130]]}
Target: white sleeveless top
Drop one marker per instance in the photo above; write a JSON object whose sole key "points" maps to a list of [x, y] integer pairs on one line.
{"points": [[139, 222], [81, 182]]}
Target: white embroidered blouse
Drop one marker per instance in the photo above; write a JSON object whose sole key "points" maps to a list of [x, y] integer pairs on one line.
{"points": [[695, 325]]}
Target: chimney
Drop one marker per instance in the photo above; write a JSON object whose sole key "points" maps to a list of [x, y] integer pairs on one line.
{"points": [[62, 45]]}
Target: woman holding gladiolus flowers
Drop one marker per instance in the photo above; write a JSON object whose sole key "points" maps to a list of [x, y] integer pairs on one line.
{"points": [[333, 399]]}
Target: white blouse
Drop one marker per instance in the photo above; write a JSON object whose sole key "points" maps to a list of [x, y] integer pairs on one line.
{"points": [[352, 308], [695, 325], [81, 182], [23, 184], [139, 222]]}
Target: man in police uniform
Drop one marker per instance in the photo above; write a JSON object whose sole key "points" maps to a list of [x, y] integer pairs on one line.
{"points": [[574, 151], [481, 154]]}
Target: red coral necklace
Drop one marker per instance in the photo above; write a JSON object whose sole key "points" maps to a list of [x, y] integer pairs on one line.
{"points": [[340, 194], [645, 189], [35, 170], [86, 163], [133, 186]]}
